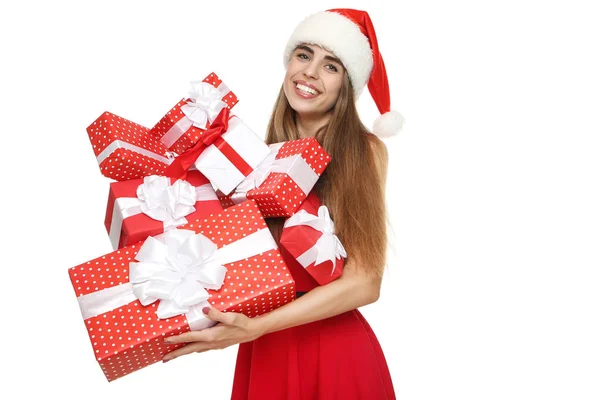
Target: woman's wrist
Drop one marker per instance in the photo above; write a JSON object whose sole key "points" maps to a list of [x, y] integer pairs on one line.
{"points": [[259, 325]]}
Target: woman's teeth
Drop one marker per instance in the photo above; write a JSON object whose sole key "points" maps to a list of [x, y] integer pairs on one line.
{"points": [[306, 89]]}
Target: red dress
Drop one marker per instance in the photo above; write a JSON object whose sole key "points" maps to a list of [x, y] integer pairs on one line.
{"points": [[334, 358]]}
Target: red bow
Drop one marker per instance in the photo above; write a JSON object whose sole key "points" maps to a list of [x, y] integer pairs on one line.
{"points": [[179, 167]]}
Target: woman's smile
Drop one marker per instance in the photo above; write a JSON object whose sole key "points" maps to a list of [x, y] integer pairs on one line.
{"points": [[306, 90]]}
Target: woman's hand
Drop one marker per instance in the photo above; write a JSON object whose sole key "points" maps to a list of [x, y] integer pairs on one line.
{"points": [[232, 328]]}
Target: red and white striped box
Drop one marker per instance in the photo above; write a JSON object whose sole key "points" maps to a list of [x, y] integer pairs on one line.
{"points": [[250, 278], [283, 179], [139, 208], [182, 126], [125, 150]]}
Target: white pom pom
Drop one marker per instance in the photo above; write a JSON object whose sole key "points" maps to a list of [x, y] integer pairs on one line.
{"points": [[388, 124]]}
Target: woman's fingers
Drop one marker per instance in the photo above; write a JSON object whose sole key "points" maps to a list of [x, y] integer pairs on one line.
{"points": [[209, 338], [194, 336], [215, 315], [190, 348]]}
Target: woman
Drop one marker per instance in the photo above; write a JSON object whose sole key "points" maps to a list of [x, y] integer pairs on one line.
{"points": [[320, 346]]}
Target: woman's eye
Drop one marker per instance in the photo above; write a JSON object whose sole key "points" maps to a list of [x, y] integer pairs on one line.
{"points": [[302, 56], [331, 67]]}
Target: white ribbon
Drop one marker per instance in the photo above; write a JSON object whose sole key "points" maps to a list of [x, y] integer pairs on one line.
{"points": [[119, 144], [175, 132], [160, 200], [328, 247], [176, 268], [294, 166]]}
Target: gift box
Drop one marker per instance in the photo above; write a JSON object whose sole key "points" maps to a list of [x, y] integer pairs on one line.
{"points": [[125, 150], [135, 297], [283, 179], [226, 153], [139, 208], [182, 126], [309, 236]]}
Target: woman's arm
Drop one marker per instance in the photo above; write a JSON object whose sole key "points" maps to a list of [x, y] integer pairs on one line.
{"points": [[351, 290]]}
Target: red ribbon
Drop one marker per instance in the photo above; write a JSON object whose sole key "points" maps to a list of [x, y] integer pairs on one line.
{"points": [[179, 166]]}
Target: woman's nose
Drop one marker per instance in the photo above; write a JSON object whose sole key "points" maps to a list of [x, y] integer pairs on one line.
{"points": [[311, 70]]}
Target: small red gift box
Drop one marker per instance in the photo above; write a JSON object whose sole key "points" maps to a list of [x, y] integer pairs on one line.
{"points": [[282, 180], [124, 149], [309, 237], [139, 208], [135, 297], [181, 127]]}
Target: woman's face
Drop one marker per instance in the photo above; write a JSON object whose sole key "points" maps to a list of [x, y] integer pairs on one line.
{"points": [[313, 80]]}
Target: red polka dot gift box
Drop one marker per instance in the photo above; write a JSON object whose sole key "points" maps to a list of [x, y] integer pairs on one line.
{"points": [[183, 125], [139, 208], [283, 179], [309, 237], [135, 297], [124, 149]]}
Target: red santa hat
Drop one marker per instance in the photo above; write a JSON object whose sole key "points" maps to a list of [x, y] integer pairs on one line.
{"points": [[349, 34]]}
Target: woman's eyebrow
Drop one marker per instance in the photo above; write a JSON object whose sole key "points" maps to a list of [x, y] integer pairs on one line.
{"points": [[305, 48], [312, 52], [334, 59]]}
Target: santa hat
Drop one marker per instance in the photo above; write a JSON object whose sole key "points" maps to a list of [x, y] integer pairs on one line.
{"points": [[349, 34]]}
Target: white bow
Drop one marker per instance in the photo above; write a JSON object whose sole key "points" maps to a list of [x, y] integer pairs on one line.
{"points": [[205, 104], [328, 247], [177, 270], [165, 202]]}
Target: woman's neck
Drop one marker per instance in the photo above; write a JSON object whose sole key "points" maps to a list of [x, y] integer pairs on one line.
{"points": [[309, 125]]}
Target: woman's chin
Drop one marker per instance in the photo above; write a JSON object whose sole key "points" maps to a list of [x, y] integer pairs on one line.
{"points": [[304, 109]]}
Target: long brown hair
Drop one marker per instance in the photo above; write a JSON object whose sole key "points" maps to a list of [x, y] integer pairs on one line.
{"points": [[351, 186]]}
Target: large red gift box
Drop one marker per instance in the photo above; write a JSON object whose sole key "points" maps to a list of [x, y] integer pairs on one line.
{"points": [[309, 236], [176, 274], [283, 179], [139, 208], [182, 126], [125, 150]]}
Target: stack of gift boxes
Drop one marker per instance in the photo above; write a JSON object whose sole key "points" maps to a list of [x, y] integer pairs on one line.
{"points": [[186, 217]]}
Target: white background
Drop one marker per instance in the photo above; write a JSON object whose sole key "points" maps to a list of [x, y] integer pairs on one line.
{"points": [[492, 290]]}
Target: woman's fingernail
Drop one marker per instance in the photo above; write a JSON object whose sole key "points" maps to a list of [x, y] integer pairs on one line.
{"points": [[206, 310]]}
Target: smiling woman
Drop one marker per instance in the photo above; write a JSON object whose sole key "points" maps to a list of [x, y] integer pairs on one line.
{"points": [[311, 97], [320, 346]]}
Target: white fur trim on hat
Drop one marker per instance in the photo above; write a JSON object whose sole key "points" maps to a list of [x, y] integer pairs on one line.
{"points": [[388, 124], [343, 38]]}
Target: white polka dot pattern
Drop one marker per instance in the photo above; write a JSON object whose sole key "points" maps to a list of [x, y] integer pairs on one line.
{"points": [[138, 227], [123, 164], [129, 338], [192, 135], [279, 196]]}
